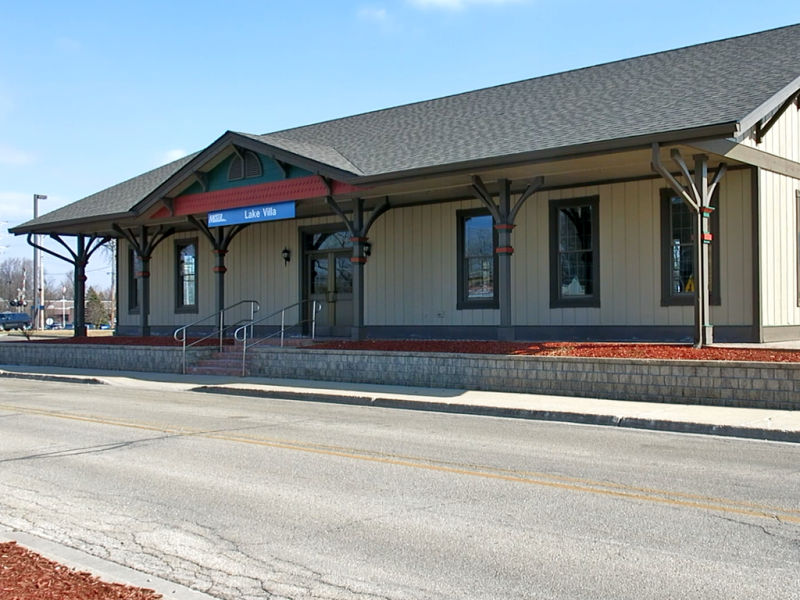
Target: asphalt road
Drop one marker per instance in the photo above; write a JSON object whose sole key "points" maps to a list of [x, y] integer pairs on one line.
{"points": [[253, 498]]}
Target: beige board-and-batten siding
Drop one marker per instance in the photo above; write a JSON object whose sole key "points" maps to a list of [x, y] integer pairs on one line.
{"points": [[778, 230], [256, 271], [411, 276], [778, 225]]}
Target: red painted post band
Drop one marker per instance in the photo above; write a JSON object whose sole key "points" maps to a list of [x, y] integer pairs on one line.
{"points": [[143, 274], [707, 209], [505, 250], [707, 237], [220, 269], [358, 259], [504, 226], [358, 239], [220, 252]]}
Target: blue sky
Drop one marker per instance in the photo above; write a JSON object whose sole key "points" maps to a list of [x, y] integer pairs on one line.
{"points": [[93, 93]]}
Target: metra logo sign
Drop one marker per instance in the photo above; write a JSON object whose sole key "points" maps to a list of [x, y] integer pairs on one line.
{"points": [[252, 214]]}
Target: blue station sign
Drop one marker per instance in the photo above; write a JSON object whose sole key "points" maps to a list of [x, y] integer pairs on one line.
{"points": [[252, 214]]}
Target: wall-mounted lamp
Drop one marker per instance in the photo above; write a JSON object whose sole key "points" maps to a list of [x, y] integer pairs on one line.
{"points": [[367, 249], [287, 256]]}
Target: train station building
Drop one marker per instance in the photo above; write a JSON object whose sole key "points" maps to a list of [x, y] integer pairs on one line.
{"points": [[655, 198]]}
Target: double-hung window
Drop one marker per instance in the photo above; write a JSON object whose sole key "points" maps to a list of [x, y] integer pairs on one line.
{"points": [[477, 260], [677, 252], [186, 276], [574, 253]]}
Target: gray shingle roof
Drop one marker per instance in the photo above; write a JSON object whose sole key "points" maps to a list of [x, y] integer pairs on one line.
{"points": [[116, 199], [714, 83], [698, 86]]}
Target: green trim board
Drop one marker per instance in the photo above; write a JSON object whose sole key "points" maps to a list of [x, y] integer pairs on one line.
{"points": [[217, 178]]}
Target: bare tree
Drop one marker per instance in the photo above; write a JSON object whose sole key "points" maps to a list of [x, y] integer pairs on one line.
{"points": [[16, 281], [68, 285]]}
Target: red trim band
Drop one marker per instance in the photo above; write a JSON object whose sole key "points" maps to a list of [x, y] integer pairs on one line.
{"points": [[220, 269], [505, 250], [358, 259], [143, 274], [358, 239], [299, 188], [507, 226]]}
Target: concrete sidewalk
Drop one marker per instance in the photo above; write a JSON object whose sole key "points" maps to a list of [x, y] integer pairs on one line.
{"points": [[775, 425]]}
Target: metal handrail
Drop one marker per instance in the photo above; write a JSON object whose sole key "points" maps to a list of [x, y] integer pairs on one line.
{"points": [[315, 308], [180, 333]]}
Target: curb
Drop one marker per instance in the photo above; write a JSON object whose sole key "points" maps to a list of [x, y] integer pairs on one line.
{"points": [[55, 378], [755, 433], [106, 570]]}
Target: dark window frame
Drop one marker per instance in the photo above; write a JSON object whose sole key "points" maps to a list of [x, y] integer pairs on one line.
{"points": [[181, 308], [668, 297], [463, 301], [556, 299], [133, 284]]}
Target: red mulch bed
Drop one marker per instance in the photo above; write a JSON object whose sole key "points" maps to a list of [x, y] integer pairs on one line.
{"points": [[583, 349], [590, 350], [24, 575]]}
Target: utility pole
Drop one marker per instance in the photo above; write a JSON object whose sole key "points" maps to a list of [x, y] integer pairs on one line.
{"points": [[38, 271]]}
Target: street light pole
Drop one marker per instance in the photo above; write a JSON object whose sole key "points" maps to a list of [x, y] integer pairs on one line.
{"points": [[38, 270]]}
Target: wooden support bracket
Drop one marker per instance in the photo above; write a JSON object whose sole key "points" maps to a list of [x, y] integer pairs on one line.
{"points": [[282, 167], [224, 237], [202, 179], [481, 192], [169, 203]]}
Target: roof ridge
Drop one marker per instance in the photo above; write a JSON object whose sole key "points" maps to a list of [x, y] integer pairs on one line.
{"points": [[510, 83]]}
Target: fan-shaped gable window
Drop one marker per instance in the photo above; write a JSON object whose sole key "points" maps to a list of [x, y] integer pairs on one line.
{"points": [[245, 168]]}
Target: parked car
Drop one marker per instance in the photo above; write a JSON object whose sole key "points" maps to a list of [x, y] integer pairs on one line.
{"points": [[9, 321]]}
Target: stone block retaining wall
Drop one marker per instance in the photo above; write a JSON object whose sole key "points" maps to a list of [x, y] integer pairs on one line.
{"points": [[96, 356], [748, 384], [744, 384]]}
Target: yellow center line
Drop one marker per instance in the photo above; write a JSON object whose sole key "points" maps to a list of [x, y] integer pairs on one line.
{"points": [[531, 478]]}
